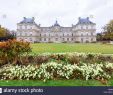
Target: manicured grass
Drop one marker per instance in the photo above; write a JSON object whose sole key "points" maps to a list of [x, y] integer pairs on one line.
{"points": [[53, 83], [72, 47]]}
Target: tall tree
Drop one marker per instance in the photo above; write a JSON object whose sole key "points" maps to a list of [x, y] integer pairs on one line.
{"points": [[108, 31]]}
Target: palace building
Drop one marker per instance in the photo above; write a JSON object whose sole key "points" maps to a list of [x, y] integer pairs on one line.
{"points": [[84, 31]]}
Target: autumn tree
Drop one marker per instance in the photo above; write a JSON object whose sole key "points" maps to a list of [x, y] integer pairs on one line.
{"points": [[3, 32]]}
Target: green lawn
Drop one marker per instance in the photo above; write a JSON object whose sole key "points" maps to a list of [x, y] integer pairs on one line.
{"points": [[53, 83], [69, 47]]}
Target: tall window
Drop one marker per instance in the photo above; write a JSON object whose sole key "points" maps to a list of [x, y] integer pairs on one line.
{"points": [[56, 39], [25, 34], [81, 27], [67, 34], [20, 26], [92, 27], [67, 39], [44, 39], [25, 26], [30, 39], [40, 35], [81, 34], [72, 34], [86, 27], [71, 39], [63, 35], [30, 33], [82, 40], [87, 34], [31, 27], [91, 34]]}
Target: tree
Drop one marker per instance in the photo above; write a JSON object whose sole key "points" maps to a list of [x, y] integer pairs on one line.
{"points": [[99, 37], [6, 34], [108, 31], [3, 32]]}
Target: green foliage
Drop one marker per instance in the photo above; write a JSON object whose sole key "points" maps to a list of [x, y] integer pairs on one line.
{"points": [[108, 31]]}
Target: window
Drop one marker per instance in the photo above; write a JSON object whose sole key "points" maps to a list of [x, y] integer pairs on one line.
{"points": [[63, 39], [49, 39], [81, 27], [40, 35], [20, 26], [91, 27], [40, 39], [63, 35], [67, 39], [25, 34], [92, 39], [81, 34], [44, 39], [56, 39], [30, 33], [67, 34], [71, 39], [30, 39], [86, 27], [72, 34], [91, 34], [25, 26], [81, 39]]}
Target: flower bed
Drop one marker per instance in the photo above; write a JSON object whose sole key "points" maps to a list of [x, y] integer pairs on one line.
{"points": [[53, 70]]}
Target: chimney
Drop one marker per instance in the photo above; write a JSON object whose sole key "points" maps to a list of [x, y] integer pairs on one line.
{"points": [[24, 17], [33, 18], [87, 18], [79, 18]]}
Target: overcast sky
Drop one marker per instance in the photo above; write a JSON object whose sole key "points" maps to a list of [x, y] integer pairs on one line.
{"points": [[47, 11]]}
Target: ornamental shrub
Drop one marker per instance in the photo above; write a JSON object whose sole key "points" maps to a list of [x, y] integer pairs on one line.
{"points": [[11, 50]]}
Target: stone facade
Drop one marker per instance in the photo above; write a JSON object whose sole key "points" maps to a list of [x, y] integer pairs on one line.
{"points": [[83, 31]]}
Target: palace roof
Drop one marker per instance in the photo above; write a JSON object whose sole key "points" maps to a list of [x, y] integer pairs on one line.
{"points": [[28, 20], [84, 21]]}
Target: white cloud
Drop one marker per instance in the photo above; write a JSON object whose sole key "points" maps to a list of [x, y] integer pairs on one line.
{"points": [[47, 11]]}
